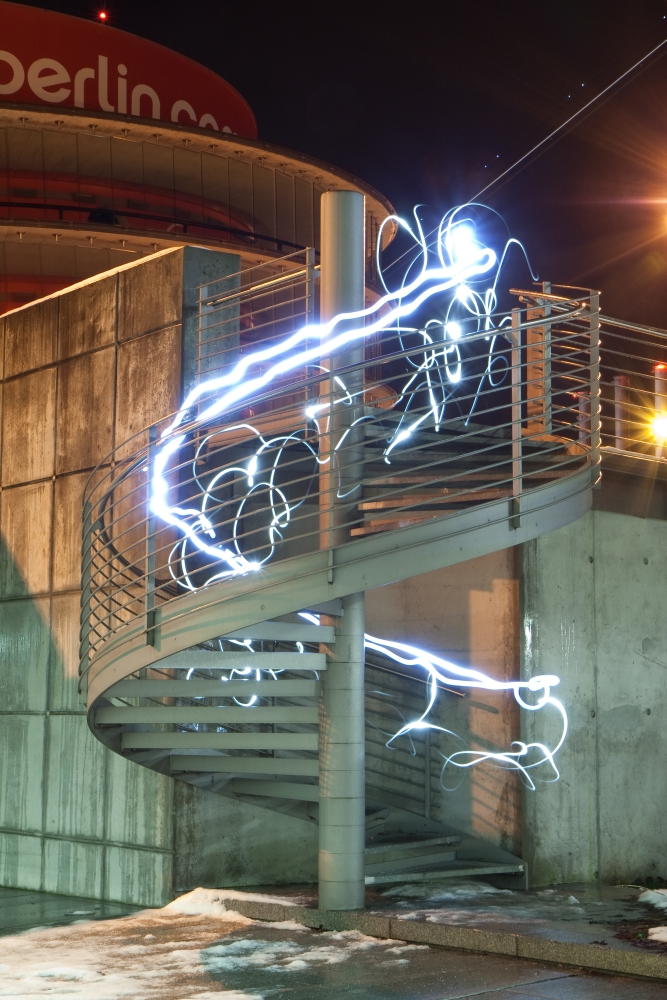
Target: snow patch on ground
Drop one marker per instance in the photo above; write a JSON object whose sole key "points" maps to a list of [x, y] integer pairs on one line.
{"points": [[451, 889], [206, 903], [331, 948], [197, 950], [201, 896], [656, 897]]}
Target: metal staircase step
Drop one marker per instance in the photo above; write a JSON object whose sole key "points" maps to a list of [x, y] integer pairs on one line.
{"points": [[205, 659], [204, 715], [277, 789], [410, 863], [399, 848], [215, 688], [456, 869], [293, 767], [285, 632], [220, 741], [443, 497]]}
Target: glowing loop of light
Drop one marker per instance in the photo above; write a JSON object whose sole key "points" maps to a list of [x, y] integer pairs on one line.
{"points": [[526, 757], [462, 260]]}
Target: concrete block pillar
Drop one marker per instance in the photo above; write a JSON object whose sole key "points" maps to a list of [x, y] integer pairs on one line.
{"points": [[342, 733]]}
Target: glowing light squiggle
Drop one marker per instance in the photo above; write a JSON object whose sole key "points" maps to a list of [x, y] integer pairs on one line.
{"points": [[445, 672], [463, 260], [524, 758]]}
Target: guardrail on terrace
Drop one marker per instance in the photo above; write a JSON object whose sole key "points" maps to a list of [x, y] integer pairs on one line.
{"points": [[634, 389], [447, 418]]}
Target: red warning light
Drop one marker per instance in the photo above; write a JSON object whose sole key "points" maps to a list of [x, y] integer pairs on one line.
{"points": [[102, 15]]}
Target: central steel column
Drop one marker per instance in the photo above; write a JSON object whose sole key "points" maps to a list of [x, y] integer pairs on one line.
{"points": [[342, 736]]}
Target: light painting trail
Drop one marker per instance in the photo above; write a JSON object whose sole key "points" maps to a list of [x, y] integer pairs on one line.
{"points": [[461, 283], [463, 263], [526, 757]]}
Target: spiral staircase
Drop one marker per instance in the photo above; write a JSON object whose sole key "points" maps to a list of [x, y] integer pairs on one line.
{"points": [[232, 680]]}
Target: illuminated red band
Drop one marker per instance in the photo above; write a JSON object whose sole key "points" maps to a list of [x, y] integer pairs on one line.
{"points": [[55, 60]]}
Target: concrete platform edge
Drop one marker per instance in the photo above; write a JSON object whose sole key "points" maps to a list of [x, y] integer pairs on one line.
{"points": [[597, 958]]}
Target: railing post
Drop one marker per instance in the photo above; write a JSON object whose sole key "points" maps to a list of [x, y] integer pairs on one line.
{"points": [[595, 383], [311, 274], [84, 634], [342, 724], [515, 502], [660, 398], [150, 546], [621, 385], [538, 368]]}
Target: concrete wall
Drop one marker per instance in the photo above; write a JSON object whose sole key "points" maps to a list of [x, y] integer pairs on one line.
{"points": [[75, 818], [594, 613], [467, 613], [81, 372]]}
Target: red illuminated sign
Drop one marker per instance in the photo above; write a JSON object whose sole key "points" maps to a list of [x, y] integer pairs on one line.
{"points": [[54, 60]]}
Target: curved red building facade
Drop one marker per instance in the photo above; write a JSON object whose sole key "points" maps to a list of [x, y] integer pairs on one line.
{"points": [[113, 147]]}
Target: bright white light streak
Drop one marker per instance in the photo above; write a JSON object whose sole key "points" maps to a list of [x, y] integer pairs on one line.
{"points": [[451, 675], [444, 672], [285, 356]]}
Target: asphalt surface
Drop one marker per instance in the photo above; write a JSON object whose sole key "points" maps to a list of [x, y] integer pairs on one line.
{"points": [[258, 960]]}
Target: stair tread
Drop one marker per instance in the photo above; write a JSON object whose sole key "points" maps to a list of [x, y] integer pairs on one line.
{"points": [[206, 715], [410, 863], [220, 741], [285, 632], [299, 791], [195, 688], [289, 767], [401, 843], [456, 869]]}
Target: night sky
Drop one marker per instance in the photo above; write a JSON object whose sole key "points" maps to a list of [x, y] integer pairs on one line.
{"points": [[430, 101]]}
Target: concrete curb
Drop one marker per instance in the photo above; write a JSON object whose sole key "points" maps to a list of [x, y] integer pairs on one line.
{"points": [[586, 956]]}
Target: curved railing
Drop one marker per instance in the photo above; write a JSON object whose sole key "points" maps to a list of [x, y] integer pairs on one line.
{"points": [[449, 443]]}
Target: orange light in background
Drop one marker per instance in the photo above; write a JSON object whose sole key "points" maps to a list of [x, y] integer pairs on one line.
{"points": [[102, 15], [659, 427]]}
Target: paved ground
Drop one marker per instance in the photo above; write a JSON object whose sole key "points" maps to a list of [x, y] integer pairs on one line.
{"points": [[21, 910], [167, 955]]}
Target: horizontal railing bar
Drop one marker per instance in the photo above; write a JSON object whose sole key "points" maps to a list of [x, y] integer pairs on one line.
{"points": [[312, 380], [255, 267], [280, 279], [366, 482], [636, 327], [571, 461]]}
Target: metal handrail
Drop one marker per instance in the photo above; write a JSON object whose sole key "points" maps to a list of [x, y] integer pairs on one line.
{"points": [[315, 478]]}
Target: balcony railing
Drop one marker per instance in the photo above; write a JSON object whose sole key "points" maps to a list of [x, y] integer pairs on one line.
{"points": [[439, 423]]}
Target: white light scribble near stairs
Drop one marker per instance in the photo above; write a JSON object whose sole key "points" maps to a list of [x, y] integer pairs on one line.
{"points": [[458, 274]]}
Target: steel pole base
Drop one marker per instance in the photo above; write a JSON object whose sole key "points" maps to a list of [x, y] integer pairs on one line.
{"points": [[342, 764]]}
